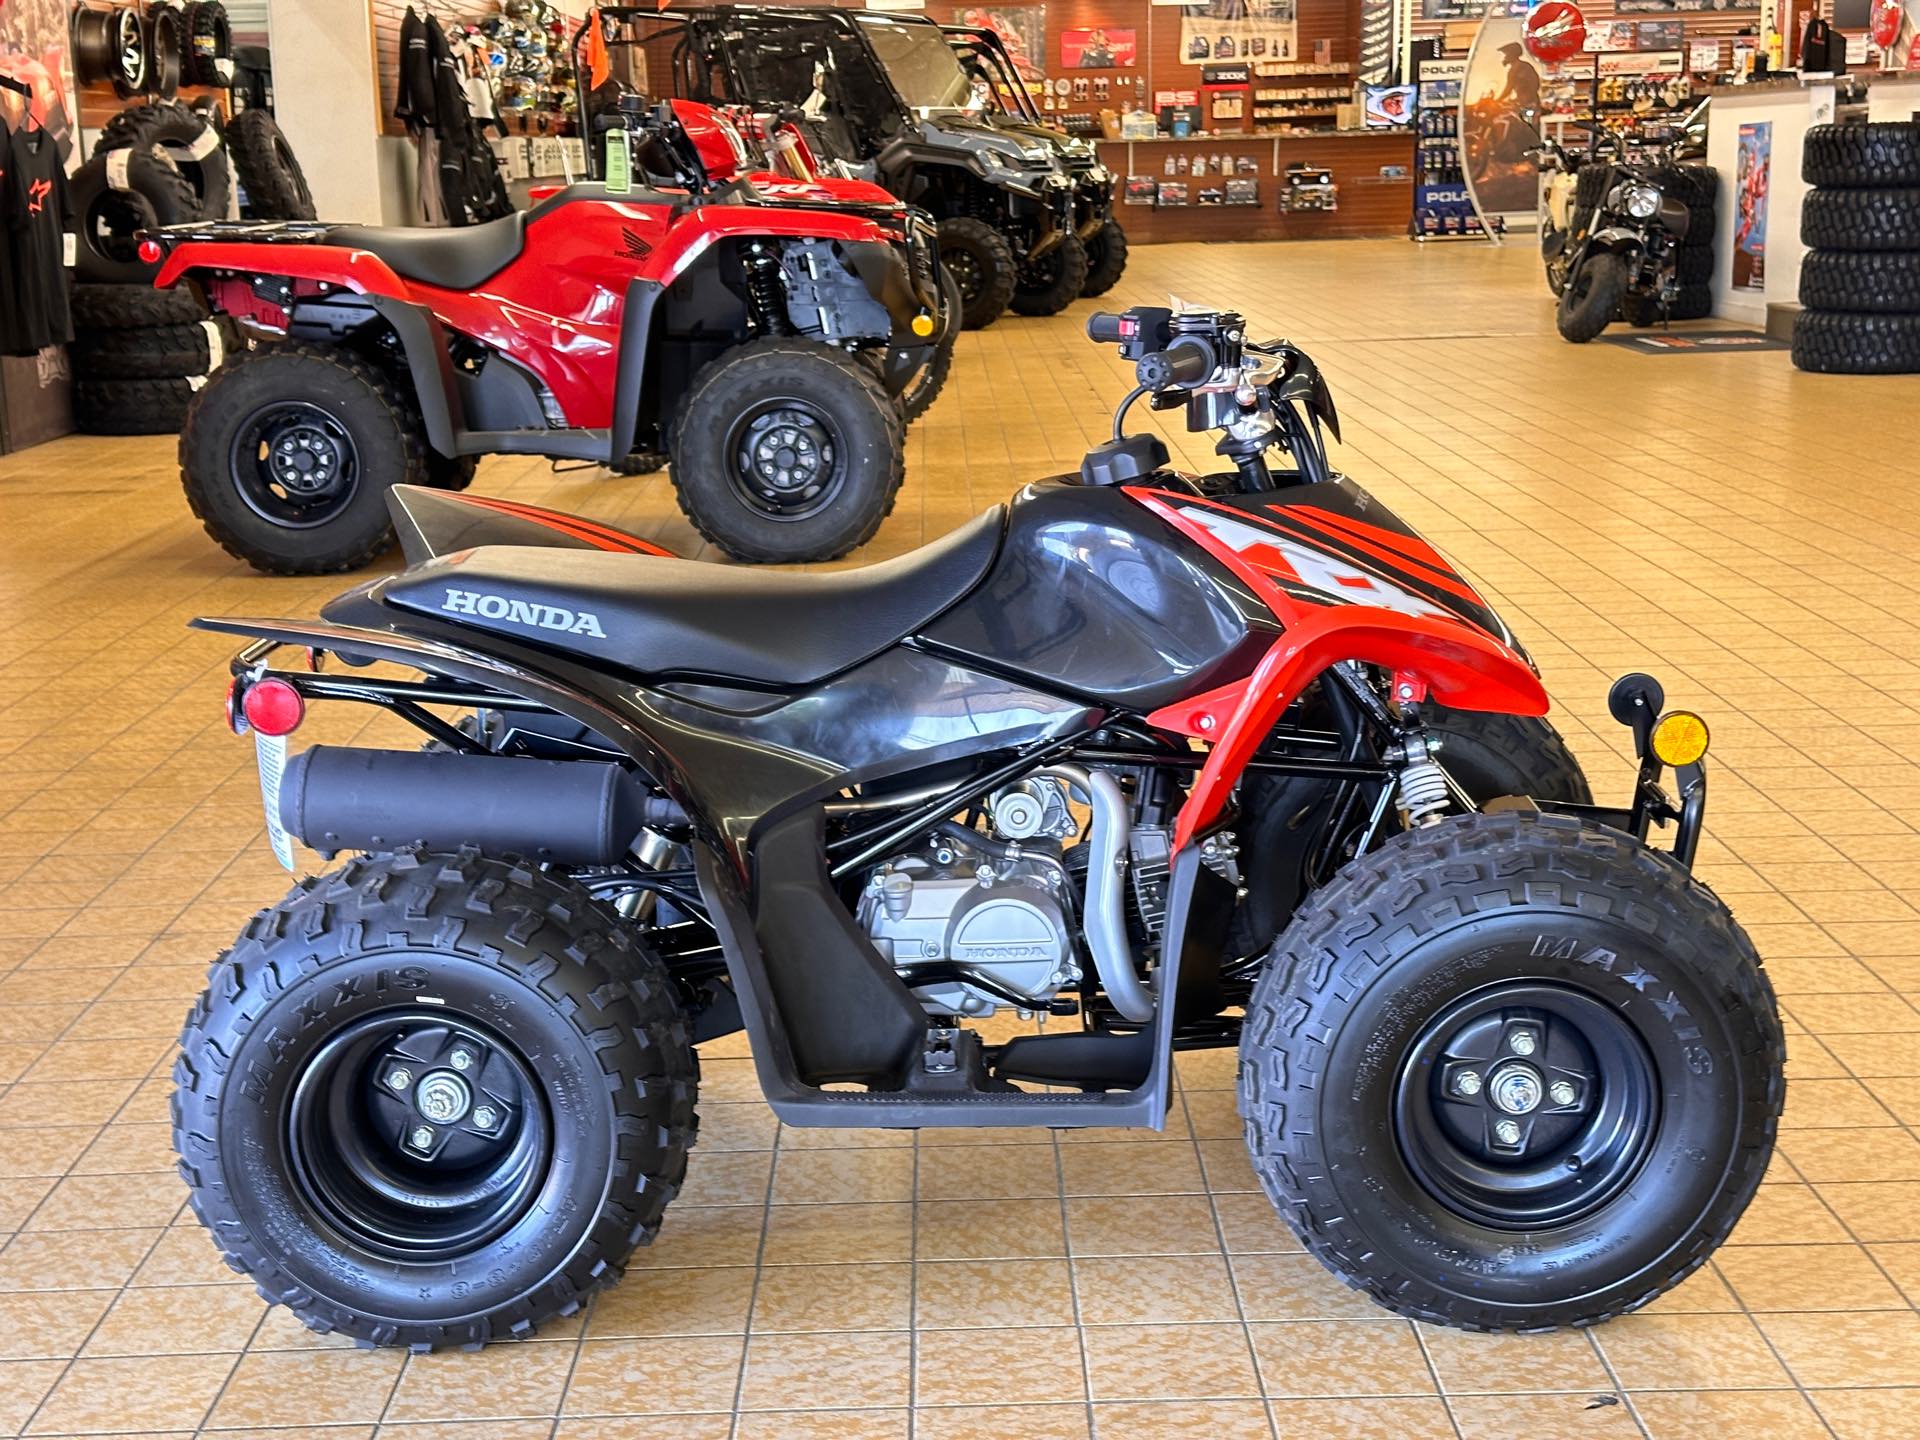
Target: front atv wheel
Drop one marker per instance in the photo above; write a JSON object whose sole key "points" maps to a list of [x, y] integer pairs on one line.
{"points": [[787, 451], [1592, 298], [287, 455], [1106, 259], [1510, 1072], [1048, 285], [431, 1100], [982, 264]]}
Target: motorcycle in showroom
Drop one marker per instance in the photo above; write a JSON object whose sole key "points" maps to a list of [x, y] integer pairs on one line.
{"points": [[1624, 238]]}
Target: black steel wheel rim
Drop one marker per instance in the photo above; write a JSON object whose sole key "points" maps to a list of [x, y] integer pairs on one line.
{"points": [[967, 271], [295, 465], [789, 458], [418, 1136], [1526, 1105]]}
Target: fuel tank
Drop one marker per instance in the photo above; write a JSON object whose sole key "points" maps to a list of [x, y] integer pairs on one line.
{"points": [[1094, 596]]}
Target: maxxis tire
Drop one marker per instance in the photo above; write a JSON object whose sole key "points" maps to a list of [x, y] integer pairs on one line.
{"points": [[819, 375], [159, 352], [927, 383], [987, 249], [116, 307], [387, 436], [1585, 311], [1106, 259], [1694, 302], [1885, 282], [1374, 959], [1879, 156], [1048, 285], [132, 407], [275, 185], [1861, 220], [1834, 342], [592, 1015], [107, 216], [174, 132]]}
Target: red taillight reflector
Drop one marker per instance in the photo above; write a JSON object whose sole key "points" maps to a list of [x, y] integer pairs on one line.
{"points": [[150, 252], [273, 707], [236, 722]]}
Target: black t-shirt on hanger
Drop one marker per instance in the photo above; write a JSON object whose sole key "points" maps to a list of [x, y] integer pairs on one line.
{"points": [[33, 217]]}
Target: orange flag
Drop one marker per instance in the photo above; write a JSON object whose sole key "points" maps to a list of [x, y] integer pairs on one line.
{"points": [[598, 66]]}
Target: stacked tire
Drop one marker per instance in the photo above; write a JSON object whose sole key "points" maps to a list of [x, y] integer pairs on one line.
{"points": [[138, 356], [154, 165], [1860, 282], [1699, 187]]}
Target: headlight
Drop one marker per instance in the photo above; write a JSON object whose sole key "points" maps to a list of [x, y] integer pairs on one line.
{"points": [[1642, 202], [1036, 154]]}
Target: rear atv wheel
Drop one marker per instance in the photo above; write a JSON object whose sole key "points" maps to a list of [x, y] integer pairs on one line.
{"points": [[787, 451], [1106, 259], [287, 456], [434, 1100], [1510, 1072], [1592, 298], [1048, 285], [982, 264]]}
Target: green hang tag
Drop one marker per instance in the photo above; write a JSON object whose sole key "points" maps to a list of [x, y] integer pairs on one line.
{"points": [[619, 166]]}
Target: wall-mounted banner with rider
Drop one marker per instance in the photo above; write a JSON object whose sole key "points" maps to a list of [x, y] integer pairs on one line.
{"points": [[1499, 116], [1752, 175]]}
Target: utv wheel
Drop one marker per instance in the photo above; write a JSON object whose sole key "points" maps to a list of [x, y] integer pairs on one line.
{"points": [[451, 472], [1511, 1073], [431, 1100], [1592, 296], [641, 462], [787, 451], [982, 264], [287, 456], [1048, 285], [1106, 259]]}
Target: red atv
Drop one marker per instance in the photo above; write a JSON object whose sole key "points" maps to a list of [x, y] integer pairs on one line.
{"points": [[767, 333]]}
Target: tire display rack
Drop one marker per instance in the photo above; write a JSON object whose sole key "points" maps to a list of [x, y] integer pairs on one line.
{"points": [[1860, 281]]}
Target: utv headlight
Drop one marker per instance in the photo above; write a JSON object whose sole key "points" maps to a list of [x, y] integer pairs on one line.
{"points": [[1642, 202], [1036, 154]]}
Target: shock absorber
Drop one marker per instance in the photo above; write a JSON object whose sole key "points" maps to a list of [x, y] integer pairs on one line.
{"points": [[766, 297], [1424, 793]]}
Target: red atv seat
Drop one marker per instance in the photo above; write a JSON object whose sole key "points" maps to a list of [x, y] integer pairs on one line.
{"points": [[455, 259]]}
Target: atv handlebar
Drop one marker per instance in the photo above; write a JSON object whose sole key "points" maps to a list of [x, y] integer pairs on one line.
{"points": [[1189, 360]]}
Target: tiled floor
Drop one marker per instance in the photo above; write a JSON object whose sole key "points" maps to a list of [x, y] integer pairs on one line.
{"points": [[1750, 533]]}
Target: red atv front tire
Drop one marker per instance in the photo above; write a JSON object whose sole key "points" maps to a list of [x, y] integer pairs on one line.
{"points": [[787, 451]]}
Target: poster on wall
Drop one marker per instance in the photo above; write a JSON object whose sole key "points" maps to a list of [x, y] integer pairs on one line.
{"points": [[1239, 30], [1752, 173], [33, 51], [1499, 110], [1098, 49], [1021, 28], [1470, 9]]}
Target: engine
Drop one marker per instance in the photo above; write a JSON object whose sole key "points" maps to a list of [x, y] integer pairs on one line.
{"points": [[973, 921]]}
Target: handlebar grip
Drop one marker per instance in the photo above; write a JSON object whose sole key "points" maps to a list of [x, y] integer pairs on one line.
{"points": [[1106, 328], [1185, 362]]}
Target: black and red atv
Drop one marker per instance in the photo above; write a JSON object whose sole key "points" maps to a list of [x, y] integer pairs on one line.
{"points": [[767, 335], [1173, 760]]}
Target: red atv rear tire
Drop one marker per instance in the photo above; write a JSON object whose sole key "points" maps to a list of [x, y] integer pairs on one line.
{"points": [[287, 456]]}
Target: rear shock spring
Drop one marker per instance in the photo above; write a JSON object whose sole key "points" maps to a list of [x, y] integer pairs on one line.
{"points": [[766, 297]]}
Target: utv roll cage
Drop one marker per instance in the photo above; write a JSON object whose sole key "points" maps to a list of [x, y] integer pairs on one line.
{"points": [[983, 51]]}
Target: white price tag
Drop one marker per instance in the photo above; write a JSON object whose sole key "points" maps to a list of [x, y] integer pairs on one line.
{"points": [[271, 751], [69, 249]]}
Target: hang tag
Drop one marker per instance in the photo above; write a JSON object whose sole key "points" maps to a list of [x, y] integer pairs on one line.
{"points": [[216, 344], [208, 142], [118, 162], [69, 249], [619, 170]]}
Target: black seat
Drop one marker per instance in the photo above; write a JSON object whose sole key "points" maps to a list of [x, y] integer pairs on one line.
{"points": [[453, 259], [690, 619]]}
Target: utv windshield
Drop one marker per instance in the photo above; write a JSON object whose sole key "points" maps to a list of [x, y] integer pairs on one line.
{"points": [[920, 62]]}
